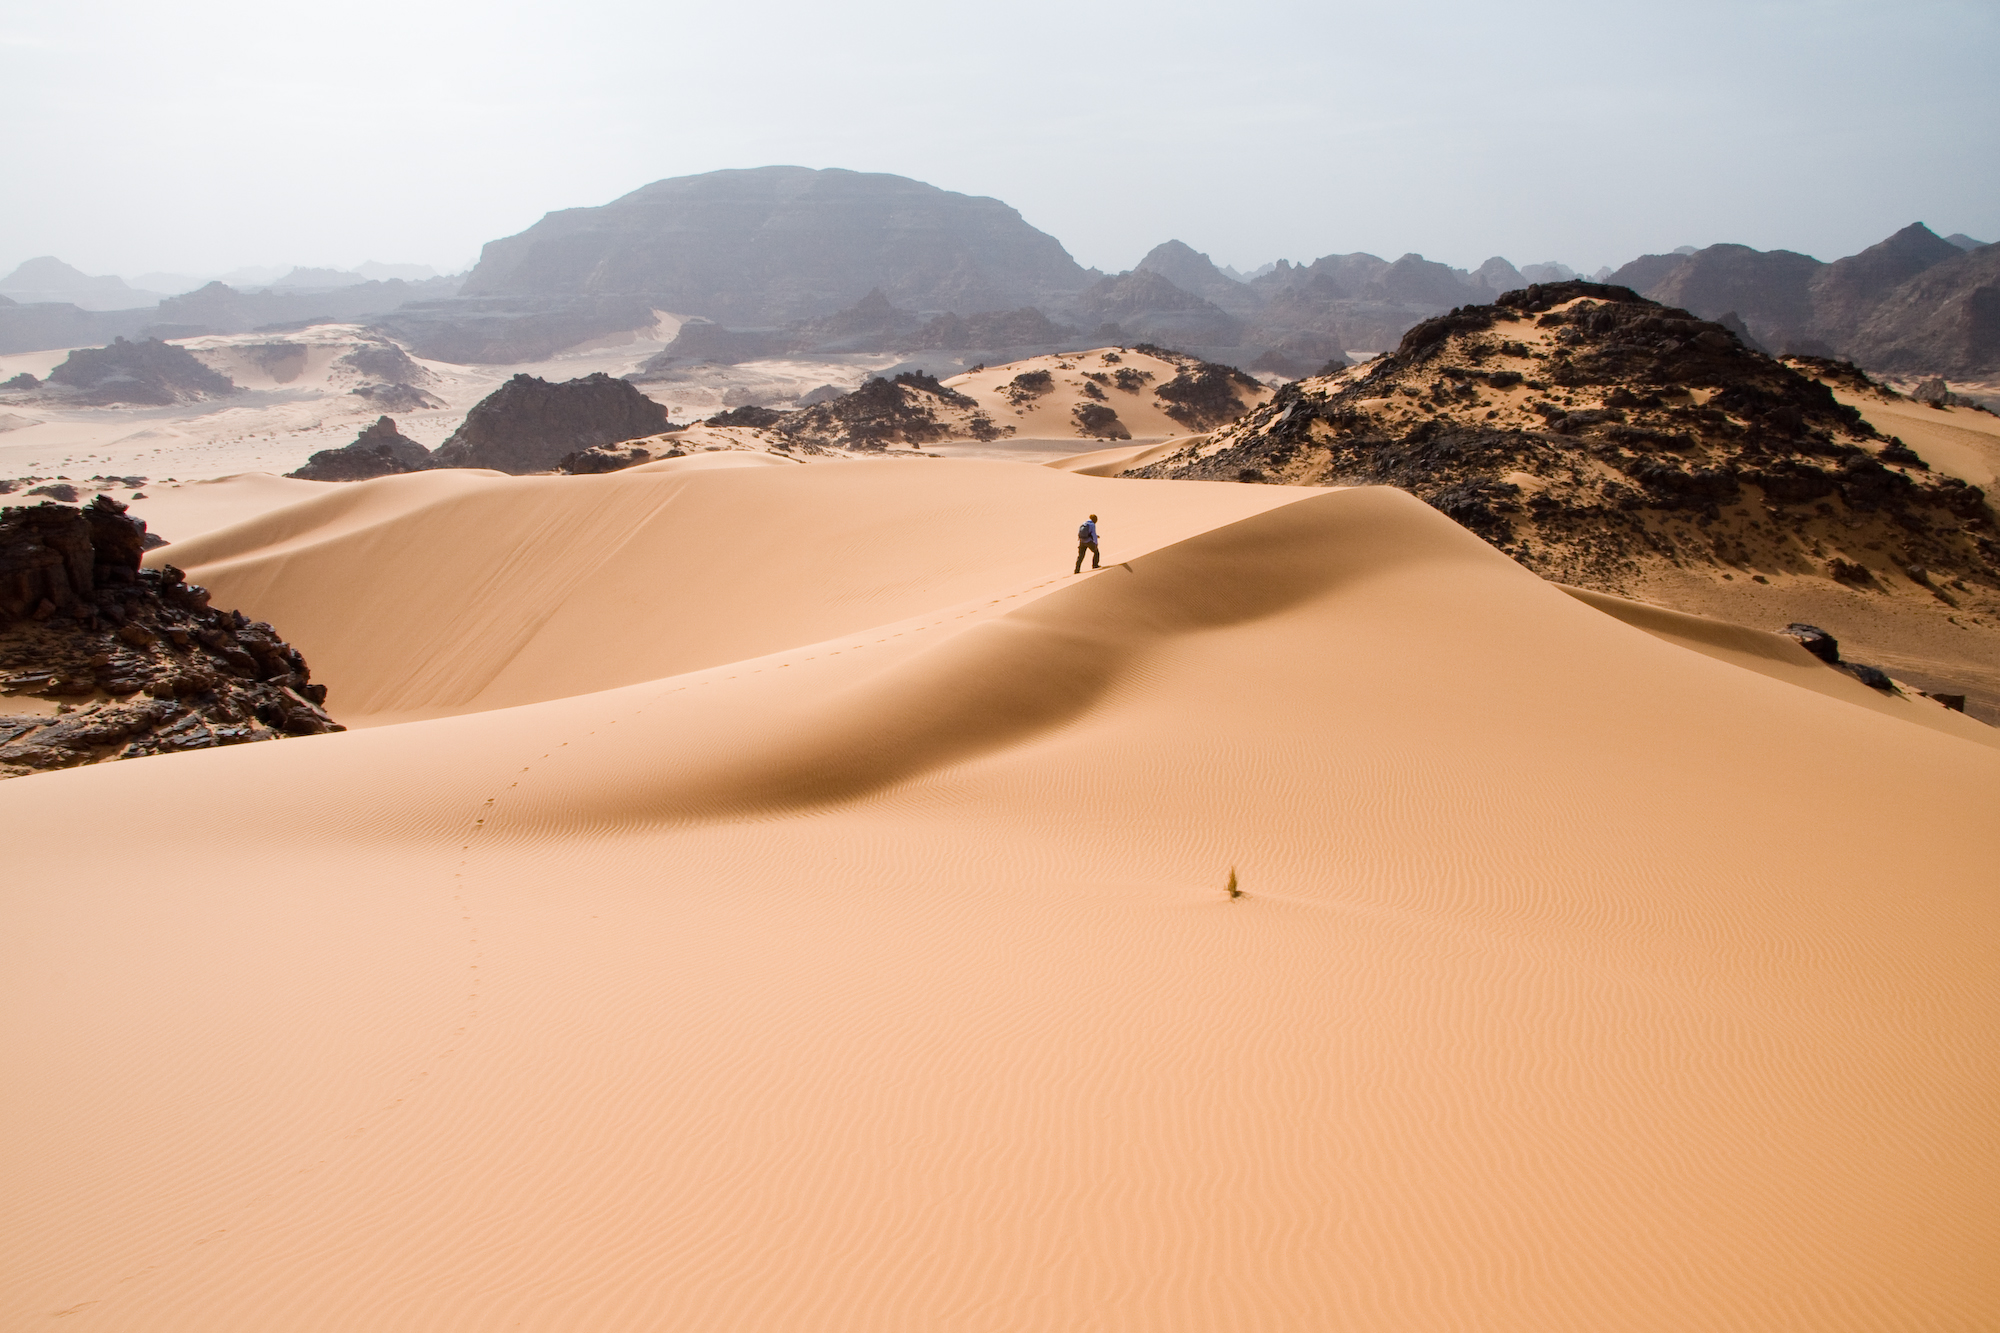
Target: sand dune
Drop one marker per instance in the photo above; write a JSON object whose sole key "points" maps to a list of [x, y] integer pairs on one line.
{"points": [[833, 937]]}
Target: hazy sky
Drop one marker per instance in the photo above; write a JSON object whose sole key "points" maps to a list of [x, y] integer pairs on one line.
{"points": [[202, 136]]}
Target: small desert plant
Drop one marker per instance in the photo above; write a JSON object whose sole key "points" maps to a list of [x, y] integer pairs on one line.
{"points": [[1234, 892]]}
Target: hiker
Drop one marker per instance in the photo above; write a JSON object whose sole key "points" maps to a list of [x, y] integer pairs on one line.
{"points": [[1086, 540]]}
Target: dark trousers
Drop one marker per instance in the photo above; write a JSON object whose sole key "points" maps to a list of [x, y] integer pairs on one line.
{"points": [[1081, 547]]}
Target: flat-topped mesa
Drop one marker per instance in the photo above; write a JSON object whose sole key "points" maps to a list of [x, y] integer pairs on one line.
{"points": [[134, 661], [1591, 433], [379, 451], [531, 425]]}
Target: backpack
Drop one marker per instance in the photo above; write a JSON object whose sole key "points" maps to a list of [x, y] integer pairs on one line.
{"points": [[1084, 534]]}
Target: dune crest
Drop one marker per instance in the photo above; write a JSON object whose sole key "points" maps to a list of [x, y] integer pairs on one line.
{"points": [[814, 914]]}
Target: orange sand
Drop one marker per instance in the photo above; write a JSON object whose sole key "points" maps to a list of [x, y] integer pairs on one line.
{"points": [[874, 971]]}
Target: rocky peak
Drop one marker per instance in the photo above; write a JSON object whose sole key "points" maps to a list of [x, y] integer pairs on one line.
{"points": [[378, 451], [529, 424]]}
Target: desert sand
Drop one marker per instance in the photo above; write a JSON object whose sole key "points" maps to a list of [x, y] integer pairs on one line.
{"points": [[767, 896]]}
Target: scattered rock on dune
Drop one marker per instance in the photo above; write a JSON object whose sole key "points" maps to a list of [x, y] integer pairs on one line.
{"points": [[379, 451], [601, 458], [530, 425], [108, 660], [912, 409]]}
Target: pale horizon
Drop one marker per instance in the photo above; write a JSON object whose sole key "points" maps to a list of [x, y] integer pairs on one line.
{"points": [[147, 142]]}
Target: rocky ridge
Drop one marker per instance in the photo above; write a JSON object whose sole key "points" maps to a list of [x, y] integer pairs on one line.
{"points": [[110, 661], [1588, 431]]}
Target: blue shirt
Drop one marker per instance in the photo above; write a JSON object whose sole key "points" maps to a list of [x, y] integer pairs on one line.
{"points": [[1087, 533]]}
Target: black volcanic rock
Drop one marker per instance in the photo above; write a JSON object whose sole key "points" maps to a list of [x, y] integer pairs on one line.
{"points": [[1588, 431], [150, 373], [765, 246], [529, 424], [379, 451], [140, 659]]}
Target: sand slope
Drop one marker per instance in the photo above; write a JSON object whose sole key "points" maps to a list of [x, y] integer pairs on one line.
{"points": [[884, 979]]}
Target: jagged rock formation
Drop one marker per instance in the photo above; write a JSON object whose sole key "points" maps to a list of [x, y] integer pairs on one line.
{"points": [[912, 409], [530, 425], [379, 451], [773, 244], [149, 373], [134, 660], [1587, 431]]}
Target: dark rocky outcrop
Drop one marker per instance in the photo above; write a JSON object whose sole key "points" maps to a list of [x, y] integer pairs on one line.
{"points": [[1203, 395], [1587, 430], [379, 451], [134, 660], [530, 425], [765, 246], [1814, 640], [148, 373]]}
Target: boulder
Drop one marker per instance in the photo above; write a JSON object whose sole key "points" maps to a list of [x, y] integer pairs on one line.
{"points": [[1814, 640]]}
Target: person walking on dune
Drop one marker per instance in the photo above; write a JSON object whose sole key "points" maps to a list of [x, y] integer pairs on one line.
{"points": [[1086, 540]]}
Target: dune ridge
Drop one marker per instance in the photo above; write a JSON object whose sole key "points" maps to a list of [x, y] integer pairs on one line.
{"points": [[884, 977]]}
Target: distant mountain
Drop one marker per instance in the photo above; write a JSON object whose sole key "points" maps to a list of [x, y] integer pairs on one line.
{"points": [[318, 279], [1193, 272], [1793, 303], [48, 279], [1946, 320], [1144, 306], [1964, 242], [763, 246]]}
